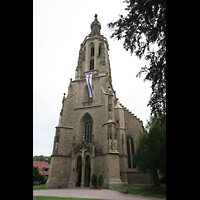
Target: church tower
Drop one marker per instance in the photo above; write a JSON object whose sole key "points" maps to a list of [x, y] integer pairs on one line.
{"points": [[95, 132]]}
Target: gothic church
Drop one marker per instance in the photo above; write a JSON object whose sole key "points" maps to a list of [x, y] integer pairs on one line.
{"points": [[95, 133]]}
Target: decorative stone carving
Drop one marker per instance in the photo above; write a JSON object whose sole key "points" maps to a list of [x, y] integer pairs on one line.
{"points": [[56, 146], [110, 114], [83, 151], [83, 145], [110, 143], [115, 141], [109, 139], [56, 142]]}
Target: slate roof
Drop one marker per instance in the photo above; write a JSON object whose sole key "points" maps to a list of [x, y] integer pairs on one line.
{"points": [[42, 166]]}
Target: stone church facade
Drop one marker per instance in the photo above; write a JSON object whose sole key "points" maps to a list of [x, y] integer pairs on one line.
{"points": [[98, 134]]}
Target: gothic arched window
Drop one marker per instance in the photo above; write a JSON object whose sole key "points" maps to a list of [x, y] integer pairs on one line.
{"points": [[92, 51], [88, 131], [92, 56], [130, 152], [99, 50]]}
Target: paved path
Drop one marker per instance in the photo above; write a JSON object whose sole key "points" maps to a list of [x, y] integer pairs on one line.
{"points": [[90, 193]]}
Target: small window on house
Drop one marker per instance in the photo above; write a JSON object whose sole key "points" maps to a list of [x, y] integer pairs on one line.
{"points": [[117, 122], [45, 169], [92, 64], [92, 51]]}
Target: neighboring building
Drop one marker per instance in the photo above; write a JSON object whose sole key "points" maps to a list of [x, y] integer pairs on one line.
{"points": [[42, 166], [95, 133]]}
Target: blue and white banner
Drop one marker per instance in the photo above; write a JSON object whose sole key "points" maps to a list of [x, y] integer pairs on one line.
{"points": [[89, 84]]}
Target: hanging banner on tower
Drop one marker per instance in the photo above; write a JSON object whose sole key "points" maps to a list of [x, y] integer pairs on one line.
{"points": [[89, 84]]}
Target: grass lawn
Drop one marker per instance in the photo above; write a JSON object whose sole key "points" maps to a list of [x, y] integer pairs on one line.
{"points": [[145, 191], [39, 187], [132, 190], [157, 192], [59, 198]]}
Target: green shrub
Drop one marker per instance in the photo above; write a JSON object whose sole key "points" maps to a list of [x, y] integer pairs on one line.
{"points": [[163, 179], [37, 177], [36, 183], [94, 179], [36, 174], [100, 179], [43, 179]]}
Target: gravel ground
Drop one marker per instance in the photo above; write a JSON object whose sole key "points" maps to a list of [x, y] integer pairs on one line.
{"points": [[90, 193]]}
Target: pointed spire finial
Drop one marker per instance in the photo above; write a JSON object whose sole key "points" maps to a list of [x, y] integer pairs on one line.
{"points": [[95, 26]]}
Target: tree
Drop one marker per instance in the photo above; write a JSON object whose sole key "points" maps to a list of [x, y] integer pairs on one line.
{"points": [[144, 26], [36, 174], [37, 177], [151, 149], [42, 158]]}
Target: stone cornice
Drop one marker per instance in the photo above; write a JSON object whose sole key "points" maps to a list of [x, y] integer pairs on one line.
{"points": [[57, 155], [108, 122], [121, 128], [92, 106], [94, 77], [92, 37], [66, 127]]}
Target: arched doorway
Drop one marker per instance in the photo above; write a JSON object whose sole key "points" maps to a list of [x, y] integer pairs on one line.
{"points": [[87, 171], [78, 171]]}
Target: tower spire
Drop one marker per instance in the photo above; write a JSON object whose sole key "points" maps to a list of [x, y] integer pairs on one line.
{"points": [[95, 26]]}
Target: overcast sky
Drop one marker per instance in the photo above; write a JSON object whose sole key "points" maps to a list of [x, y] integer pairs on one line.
{"points": [[59, 27]]}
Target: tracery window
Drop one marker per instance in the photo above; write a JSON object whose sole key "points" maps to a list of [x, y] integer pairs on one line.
{"points": [[130, 152], [92, 51], [88, 131]]}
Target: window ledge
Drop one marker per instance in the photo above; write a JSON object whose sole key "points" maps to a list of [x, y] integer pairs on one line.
{"points": [[92, 106]]}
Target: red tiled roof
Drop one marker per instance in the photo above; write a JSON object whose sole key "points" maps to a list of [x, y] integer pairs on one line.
{"points": [[42, 165]]}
